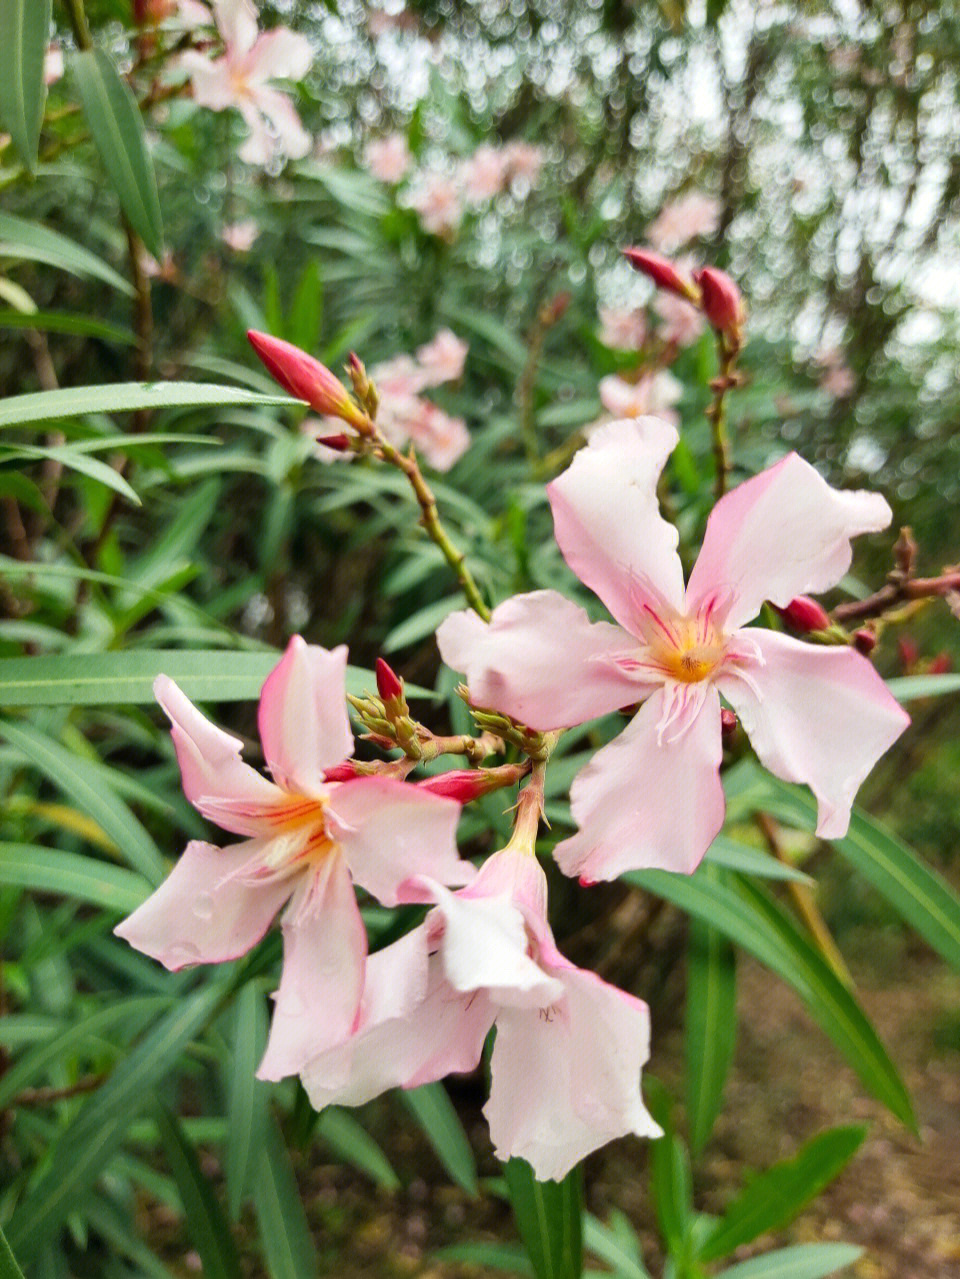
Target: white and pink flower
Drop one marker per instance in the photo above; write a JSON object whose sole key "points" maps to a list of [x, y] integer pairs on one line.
{"points": [[623, 328], [484, 174], [388, 159], [815, 714], [241, 78], [436, 199], [442, 358], [241, 236], [681, 324], [683, 220], [652, 395], [305, 840]]}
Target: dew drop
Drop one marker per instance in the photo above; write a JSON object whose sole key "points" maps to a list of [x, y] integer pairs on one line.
{"points": [[184, 953], [203, 907]]}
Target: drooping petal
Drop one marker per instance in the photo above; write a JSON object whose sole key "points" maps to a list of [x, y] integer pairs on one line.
{"points": [[607, 519], [817, 715], [211, 767], [292, 139], [280, 54], [303, 716], [210, 80], [391, 831], [541, 660], [784, 533], [565, 1079], [324, 956], [260, 145], [650, 798], [237, 23], [207, 910]]}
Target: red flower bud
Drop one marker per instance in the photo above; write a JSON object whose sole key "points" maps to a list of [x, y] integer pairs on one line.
{"points": [[341, 772], [728, 722], [466, 784], [909, 652], [804, 614], [339, 443], [389, 684], [305, 378], [864, 641], [941, 664], [662, 272], [720, 302]]}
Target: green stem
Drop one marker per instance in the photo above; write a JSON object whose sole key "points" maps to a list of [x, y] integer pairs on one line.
{"points": [[727, 353]]}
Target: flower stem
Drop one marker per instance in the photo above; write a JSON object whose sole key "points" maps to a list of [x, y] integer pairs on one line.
{"points": [[727, 352], [529, 810]]}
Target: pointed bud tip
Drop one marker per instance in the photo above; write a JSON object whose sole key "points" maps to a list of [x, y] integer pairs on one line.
{"points": [[661, 271], [303, 377], [389, 684], [721, 300], [804, 615]]}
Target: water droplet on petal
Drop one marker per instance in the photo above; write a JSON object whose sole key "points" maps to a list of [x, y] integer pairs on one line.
{"points": [[203, 907], [184, 953]]}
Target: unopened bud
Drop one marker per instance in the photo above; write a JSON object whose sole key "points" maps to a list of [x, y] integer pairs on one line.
{"points": [[389, 684], [941, 664], [662, 272], [306, 378], [341, 772], [804, 614], [728, 723], [554, 310], [720, 300], [364, 389], [466, 784], [864, 641], [908, 650], [341, 443]]}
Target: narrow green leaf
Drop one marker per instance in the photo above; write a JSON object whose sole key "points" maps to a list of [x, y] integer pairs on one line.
{"points": [[778, 1194], [670, 1178], [117, 130], [22, 239], [711, 1024], [495, 1256], [284, 1233], [85, 785], [247, 1096], [86, 1145], [549, 1217], [435, 1113], [207, 1225], [618, 1248], [350, 1141], [50, 870], [804, 1261], [8, 1265], [67, 322], [26, 31], [75, 460], [128, 397], [909, 688], [754, 921]]}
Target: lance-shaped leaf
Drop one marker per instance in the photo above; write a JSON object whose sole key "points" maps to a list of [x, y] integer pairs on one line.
{"points": [[803, 1261], [435, 1113], [711, 1023], [549, 1216], [25, 28], [8, 1265], [118, 134]]}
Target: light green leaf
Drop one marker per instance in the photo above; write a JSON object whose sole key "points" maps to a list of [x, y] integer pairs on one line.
{"points": [[549, 1217], [67, 322], [117, 130], [284, 1232], [348, 1139], [22, 239], [74, 460], [778, 1194], [247, 1096], [26, 31], [127, 397], [804, 1261], [908, 688], [440, 1122], [711, 1024], [50, 870], [618, 1248]]}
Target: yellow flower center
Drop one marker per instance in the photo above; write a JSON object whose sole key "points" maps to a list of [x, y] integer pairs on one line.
{"points": [[689, 650]]}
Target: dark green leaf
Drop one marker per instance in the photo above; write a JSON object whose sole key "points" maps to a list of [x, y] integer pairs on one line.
{"points": [[22, 239], [804, 1261], [247, 1096], [88, 879], [348, 1139], [26, 31], [711, 1024], [127, 397], [549, 1218], [8, 1265], [440, 1122], [284, 1232]]}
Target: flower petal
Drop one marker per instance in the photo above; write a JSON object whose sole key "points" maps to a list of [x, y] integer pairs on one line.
{"points": [[303, 716], [207, 910], [391, 830], [784, 533], [324, 956], [260, 145], [280, 113], [650, 798], [209, 79], [817, 715], [211, 768], [607, 519], [541, 660], [279, 54], [565, 1080], [237, 23]]}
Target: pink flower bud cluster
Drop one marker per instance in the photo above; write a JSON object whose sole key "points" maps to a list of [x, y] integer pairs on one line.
{"points": [[405, 416], [710, 289]]}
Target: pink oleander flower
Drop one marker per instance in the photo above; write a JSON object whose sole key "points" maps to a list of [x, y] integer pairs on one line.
{"points": [[622, 328], [305, 840], [653, 395], [388, 159], [565, 1069], [436, 198], [817, 715], [484, 174], [524, 160], [682, 322], [52, 64], [441, 439], [241, 236], [683, 220], [240, 79], [442, 358], [838, 382]]}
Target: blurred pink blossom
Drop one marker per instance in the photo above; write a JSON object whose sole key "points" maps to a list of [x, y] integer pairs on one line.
{"points": [[683, 220], [52, 64], [436, 198], [653, 394], [484, 174], [837, 378], [441, 439], [442, 358], [622, 328], [240, 79], [682, 322], [241, 236], [388, 159], [524, 160]]}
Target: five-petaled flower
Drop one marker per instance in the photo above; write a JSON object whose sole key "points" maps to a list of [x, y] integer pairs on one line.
{"points": [[652, 797], [565, 1069], [305, 837]]}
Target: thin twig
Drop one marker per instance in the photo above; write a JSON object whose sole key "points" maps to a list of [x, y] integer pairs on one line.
{"points": [[727, 352]]}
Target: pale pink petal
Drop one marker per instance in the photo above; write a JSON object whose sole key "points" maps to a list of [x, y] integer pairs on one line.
{"points": [[237, 22], [608, 523], [211, 767], [207, 910], [650, 798], [442, 358], [279, 54], [565, 1079], [818, 715], [210, 80], [303, 719], [324, 956], [260, 147], [292, 139], [541, 660], [192, 13], [784, 533], [391, 830]]}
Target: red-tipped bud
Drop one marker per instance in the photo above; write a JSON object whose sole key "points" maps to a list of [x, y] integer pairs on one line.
{"points": [[305, 378], [864, 641], [389, 684], [720, 300], [341, 772], [662, 272], [941, 664], [804, 614], [728, 723], [466, 784], [584, 882], [339, 443], [908, 650]]}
